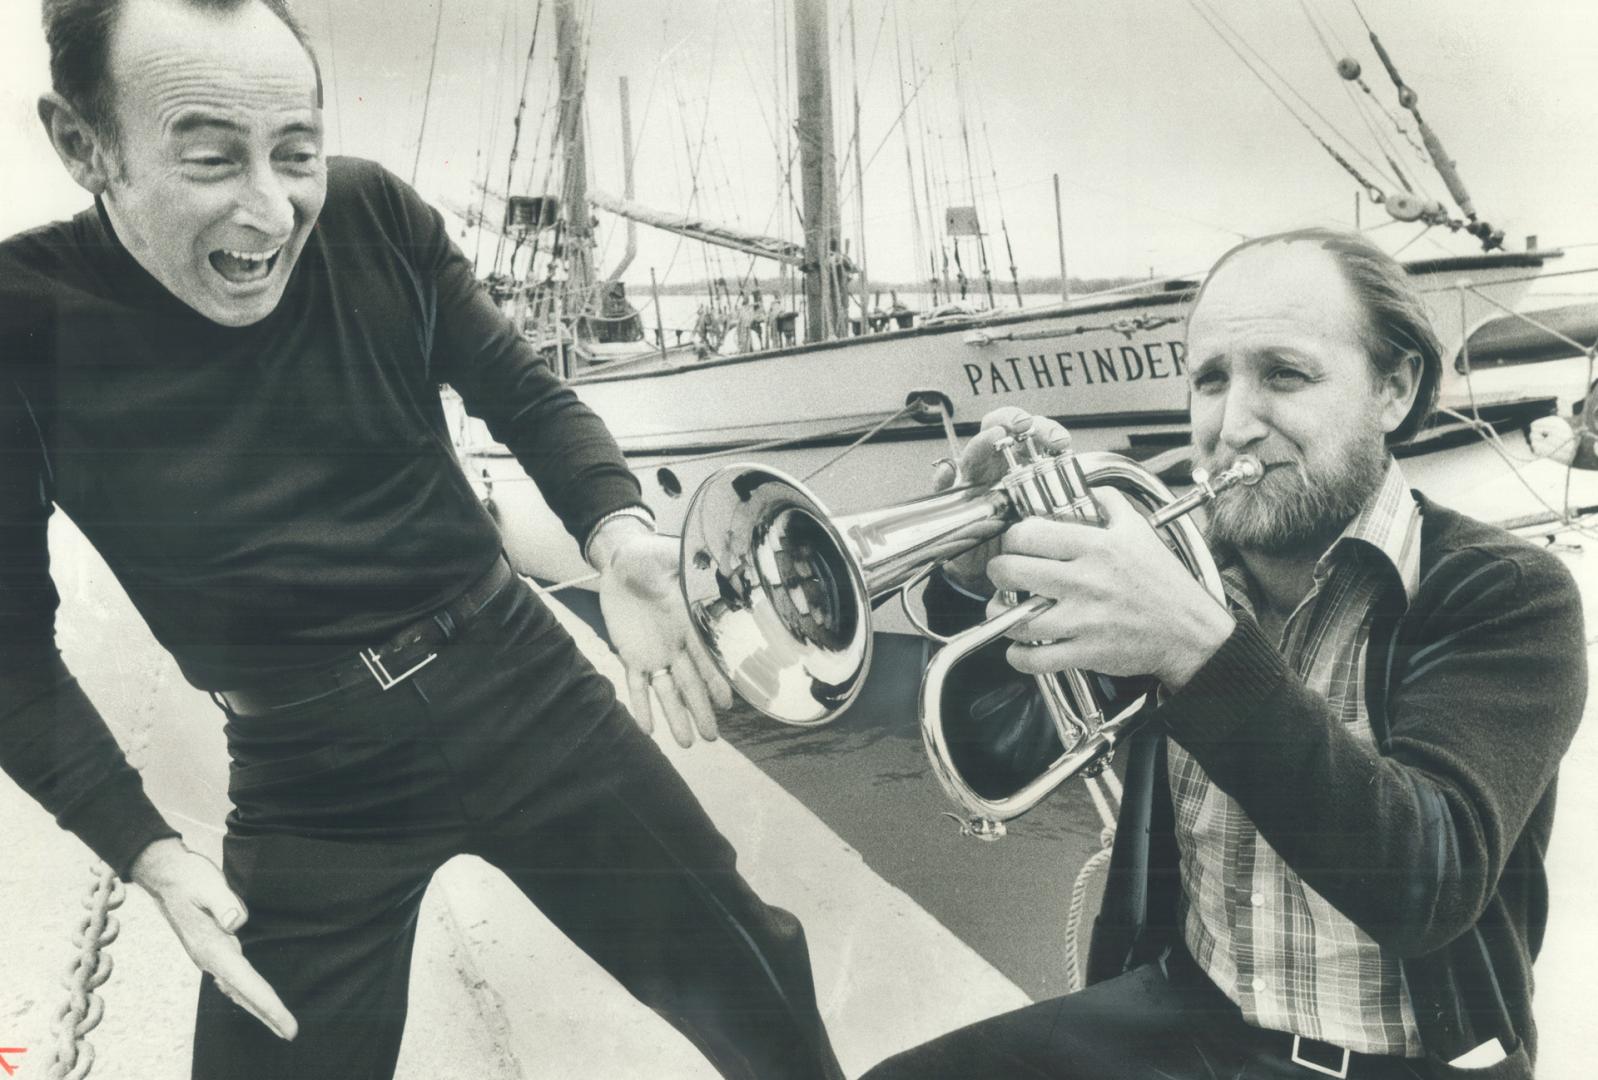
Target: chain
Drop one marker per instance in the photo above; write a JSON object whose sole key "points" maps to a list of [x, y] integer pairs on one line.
{"points": [[82, 1011]]}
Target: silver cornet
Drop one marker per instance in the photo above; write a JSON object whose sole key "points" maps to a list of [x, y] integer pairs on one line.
{"points": [[780, 591]]}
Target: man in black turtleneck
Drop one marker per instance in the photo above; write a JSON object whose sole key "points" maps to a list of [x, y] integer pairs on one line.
{"points": [[226, 373]]}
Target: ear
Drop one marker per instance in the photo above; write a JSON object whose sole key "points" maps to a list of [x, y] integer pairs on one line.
{"points": [[82, 150], [1396, 391]]}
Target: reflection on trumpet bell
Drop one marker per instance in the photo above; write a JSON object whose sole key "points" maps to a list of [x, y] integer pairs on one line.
{"points": [[780, 591], [774, 596]]}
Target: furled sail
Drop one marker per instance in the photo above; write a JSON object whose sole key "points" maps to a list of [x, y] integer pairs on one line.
{"points": [[767, 247]]}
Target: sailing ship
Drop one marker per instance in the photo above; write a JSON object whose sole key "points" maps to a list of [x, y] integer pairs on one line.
{"points": [[1110, 367]]}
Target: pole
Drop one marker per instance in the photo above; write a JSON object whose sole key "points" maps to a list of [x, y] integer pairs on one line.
{"points": [[574, 186], [1059, 229], [818, 167], [660, 329], [859, 178], [627, 184]]}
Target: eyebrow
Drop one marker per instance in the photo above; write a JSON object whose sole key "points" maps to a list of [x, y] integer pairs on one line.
{"points": [[190, 122]]}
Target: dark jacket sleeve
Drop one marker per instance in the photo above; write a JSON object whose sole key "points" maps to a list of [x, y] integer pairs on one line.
{"points": [[503, 381], [1407, 838], [53, 742]]}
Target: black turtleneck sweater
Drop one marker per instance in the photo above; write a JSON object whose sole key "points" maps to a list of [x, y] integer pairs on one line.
{"points": [[271, 497]]}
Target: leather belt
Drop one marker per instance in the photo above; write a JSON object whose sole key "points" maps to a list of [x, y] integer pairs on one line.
{"points": [[409, 650]]}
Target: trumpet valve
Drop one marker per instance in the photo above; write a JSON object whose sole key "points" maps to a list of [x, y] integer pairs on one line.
{"points": [[1006, 445], [1029, 442]]}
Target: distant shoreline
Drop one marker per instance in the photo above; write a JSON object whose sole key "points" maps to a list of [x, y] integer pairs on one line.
{"points": [[974, 286]]}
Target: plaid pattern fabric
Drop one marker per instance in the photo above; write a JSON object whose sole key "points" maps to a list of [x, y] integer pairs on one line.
{"points": [[1271, 943]]}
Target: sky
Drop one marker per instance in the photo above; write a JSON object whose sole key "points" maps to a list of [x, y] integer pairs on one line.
{"points": [[1167, 148]]}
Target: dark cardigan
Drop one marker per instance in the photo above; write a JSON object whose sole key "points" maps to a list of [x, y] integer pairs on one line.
{"points": [[1433, 840]]}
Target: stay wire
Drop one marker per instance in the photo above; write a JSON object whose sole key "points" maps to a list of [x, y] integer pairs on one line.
{"points": [[427, 95], [1370, 187]]}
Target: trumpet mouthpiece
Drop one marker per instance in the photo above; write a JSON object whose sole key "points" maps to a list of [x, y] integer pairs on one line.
{"points": [[1248, 469]]}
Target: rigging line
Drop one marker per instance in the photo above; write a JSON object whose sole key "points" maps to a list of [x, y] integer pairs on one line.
{"points": [[1364, 105], [1369, 100], [743, 56], [998, 193], [1349, 168], [1281, 79], [918, 245], [521, 104], [1195, 5], [1361, 14], [1424, 229], [493, 139], [926, 174], [1360, 105], [1377, 136], [688, 202], [921, 82], [427, 96], [897, 120], [332, 63], [971, 180]]}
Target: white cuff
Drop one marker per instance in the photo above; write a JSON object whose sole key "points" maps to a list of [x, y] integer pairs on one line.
{"points": [[641, 513]]}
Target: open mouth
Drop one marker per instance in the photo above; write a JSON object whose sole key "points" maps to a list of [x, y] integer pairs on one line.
{"points": [[245, 267]]}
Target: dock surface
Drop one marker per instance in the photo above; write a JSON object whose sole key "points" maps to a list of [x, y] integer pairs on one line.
{"points": [[914, 930]]}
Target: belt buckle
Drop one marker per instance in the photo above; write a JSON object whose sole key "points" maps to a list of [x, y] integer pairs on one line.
{"points": [[1341, 1072], [374, 664]]}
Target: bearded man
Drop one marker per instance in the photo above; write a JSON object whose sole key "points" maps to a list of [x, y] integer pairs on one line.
{"points": [[1329, 859], [227, 373]]}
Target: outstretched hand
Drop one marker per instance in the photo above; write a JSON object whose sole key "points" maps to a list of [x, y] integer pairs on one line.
{"points": [[206, 915], [648, 623]]}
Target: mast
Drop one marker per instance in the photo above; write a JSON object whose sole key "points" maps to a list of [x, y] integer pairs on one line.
{"points": [[579, 239], [859, 180], [818, 164], [627, 183]]}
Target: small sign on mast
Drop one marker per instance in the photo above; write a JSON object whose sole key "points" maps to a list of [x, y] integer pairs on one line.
{"points": [[962, 221]]}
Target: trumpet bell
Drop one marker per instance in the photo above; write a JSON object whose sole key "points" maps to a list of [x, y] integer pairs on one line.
{"points": [[774, 595]]}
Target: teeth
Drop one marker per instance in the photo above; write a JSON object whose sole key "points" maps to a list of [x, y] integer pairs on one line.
{"points": [[253, 257]]}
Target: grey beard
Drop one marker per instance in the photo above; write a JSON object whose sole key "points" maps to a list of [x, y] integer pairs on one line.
{"points": [[1290, 512]]}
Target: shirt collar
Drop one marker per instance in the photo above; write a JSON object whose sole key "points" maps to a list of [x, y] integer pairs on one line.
{"points": [[1387, 526]]}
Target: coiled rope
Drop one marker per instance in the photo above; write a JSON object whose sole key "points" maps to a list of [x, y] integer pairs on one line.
{"points": [[1079, 888]]}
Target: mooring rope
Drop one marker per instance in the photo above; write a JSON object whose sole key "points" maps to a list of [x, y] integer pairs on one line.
{"points": [[1079, 888]]}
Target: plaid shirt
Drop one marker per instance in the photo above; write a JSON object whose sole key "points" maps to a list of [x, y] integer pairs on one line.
{"points": [[1287, 958]]}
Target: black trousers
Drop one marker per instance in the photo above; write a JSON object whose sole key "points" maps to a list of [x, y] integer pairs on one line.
{"points": [[511, 747], [1165, 1020]]}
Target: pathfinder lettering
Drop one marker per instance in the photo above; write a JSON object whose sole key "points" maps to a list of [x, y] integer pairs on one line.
{"points": [[1123, 363]]}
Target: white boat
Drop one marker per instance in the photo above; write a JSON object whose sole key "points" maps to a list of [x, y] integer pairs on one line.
{"points": [[863, 418]]}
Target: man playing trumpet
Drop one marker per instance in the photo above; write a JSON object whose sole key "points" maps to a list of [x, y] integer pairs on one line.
{"points": [[1330, 852]]}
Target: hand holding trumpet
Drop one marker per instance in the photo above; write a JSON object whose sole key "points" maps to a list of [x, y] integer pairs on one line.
{"points": [[1127, 605], [980, 464]]}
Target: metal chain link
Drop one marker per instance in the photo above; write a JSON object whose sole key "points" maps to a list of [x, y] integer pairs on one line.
{"points": [[82, 1011]]}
